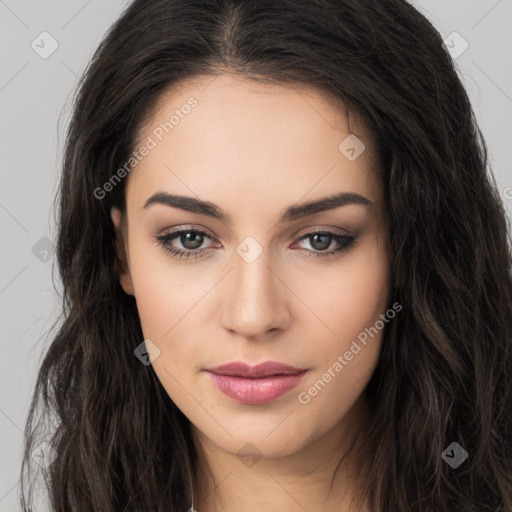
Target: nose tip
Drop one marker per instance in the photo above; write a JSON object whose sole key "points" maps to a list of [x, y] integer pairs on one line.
{"points": [[257, 305]]}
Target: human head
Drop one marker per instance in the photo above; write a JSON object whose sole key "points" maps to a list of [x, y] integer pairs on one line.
{"points": [[402, 86], [256, 288]]}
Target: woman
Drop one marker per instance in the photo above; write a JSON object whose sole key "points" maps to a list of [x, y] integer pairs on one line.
{"points": [[286, 269]]}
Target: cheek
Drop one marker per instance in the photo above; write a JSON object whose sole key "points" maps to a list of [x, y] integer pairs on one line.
{"points": [[351, 309], [167, 302], [162, 294], [348, 352], [354, 296]]}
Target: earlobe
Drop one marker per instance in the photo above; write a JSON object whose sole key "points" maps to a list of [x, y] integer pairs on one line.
{"points": [[122, 265]]}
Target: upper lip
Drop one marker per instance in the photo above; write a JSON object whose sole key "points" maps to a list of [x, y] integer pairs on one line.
{"points": [[241, 369]]}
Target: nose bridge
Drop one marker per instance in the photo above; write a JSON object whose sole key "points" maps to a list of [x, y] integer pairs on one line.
{"points": [[256, 301]]}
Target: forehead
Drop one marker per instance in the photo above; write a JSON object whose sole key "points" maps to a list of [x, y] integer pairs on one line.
{"points": [[214, 136]]}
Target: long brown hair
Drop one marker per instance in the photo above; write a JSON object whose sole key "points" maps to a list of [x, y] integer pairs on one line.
{"points": [[445, 371]]}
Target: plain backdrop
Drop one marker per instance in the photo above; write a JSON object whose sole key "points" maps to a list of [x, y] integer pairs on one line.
{"points": [[36, 90]]}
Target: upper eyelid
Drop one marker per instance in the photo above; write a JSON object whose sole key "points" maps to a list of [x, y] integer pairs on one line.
{"points": [[185, 230]]}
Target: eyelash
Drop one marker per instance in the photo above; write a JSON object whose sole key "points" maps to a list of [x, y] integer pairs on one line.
{"points": [[345, 241]]}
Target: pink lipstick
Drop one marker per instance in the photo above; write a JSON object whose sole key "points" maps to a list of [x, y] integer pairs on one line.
{"points": [[255, 384]]}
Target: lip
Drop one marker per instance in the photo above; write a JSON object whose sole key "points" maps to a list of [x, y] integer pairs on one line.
{"points": [[255, 384]]}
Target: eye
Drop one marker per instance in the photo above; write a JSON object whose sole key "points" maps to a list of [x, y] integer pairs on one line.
{"points": [[192, 239], [322, 240]]}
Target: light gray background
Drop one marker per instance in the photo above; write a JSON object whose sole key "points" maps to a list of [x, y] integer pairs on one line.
{"points": [[35, 102]]}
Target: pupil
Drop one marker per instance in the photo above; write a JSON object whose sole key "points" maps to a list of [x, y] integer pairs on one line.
{"points": [[322, 245], [189, 239]]}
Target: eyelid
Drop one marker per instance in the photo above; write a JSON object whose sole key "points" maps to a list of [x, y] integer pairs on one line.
{"points": [[330, 229], [186, 227]]}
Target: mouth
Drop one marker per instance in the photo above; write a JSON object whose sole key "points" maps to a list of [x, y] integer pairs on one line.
{"points": [[258, 384]]}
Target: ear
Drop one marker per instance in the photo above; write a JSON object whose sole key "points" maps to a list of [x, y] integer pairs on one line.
{"points": [[125, 278]]}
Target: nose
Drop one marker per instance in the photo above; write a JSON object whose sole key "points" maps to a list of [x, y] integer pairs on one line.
{"points": [[257, 302]]}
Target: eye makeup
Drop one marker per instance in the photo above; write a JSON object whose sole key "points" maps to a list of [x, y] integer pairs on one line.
{"points": [[343, 242]]}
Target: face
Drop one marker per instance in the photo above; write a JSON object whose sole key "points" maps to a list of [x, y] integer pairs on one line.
{"points": [[254, 275]]}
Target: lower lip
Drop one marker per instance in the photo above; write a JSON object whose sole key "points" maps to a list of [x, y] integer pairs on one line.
{"points": [[256, 391]]}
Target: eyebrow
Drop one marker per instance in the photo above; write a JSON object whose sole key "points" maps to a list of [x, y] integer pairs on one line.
{"points": [[191, 204]]}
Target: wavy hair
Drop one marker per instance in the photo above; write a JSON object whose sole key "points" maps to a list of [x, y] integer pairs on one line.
{"points": [[445, 368]]}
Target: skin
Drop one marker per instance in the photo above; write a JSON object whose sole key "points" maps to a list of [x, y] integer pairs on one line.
{"points": [[243, 146]]}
